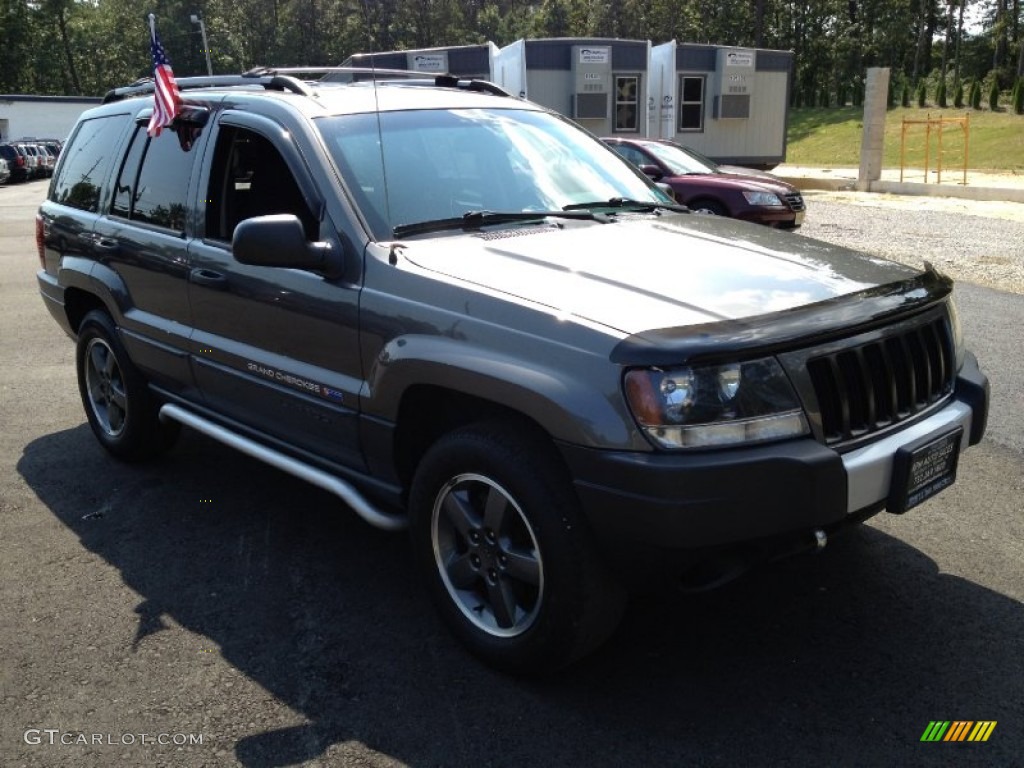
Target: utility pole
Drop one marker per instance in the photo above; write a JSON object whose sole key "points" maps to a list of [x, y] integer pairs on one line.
{"points": [[197, 18]]}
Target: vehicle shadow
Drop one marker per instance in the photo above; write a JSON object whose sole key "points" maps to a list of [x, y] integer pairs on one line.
{"points": [[841, 659]]}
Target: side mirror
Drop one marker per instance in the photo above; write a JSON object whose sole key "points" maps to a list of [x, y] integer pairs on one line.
{"points": [[667, 189], [652, 171], [277, 241]]}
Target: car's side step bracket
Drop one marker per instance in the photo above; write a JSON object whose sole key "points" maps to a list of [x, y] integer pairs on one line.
{"points": [[343, 490]]}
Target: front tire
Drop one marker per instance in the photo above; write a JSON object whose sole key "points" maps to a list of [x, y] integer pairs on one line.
{"points": [[122, 412], [499, 536], [708, 207]]}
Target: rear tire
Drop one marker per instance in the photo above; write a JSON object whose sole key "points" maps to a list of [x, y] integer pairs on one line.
{"points": [[122, 412], [508, 560]]}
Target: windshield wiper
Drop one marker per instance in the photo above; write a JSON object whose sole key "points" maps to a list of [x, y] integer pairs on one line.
{"points": [[625, 202], [476, 219]]}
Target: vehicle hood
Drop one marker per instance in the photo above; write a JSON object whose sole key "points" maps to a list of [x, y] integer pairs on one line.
{"points": [[733, 180], [644, 272], [739, 170]]}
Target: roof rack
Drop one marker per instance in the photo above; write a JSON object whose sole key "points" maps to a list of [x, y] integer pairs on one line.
{"points": [[472, 84], [283, 79], [270, 81], [410, 77]]}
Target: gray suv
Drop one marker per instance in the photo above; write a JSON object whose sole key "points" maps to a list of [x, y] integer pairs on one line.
{"points": [[466, 316]]}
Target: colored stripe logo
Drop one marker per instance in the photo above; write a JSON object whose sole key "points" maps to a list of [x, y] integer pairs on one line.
{"points": [[958, 730]]}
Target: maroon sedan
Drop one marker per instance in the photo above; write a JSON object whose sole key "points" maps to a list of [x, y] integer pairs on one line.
{"points": [[703, 186]]}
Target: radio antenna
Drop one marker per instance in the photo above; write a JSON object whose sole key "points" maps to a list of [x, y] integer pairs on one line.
{"points": [[376, 104]]}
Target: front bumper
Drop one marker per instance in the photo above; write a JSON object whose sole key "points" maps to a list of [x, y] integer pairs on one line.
{"points": [[716, 499], [773, 217]]}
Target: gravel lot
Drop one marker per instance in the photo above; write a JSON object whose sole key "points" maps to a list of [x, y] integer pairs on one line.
{"points": [[978, 242]]}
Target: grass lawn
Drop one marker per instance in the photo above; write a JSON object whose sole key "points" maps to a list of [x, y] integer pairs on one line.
{"points": [[831, 137]]}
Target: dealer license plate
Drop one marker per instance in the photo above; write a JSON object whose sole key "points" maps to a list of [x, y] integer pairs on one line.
{"points": [[922, 469]]}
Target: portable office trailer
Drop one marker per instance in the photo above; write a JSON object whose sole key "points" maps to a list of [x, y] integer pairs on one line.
{"points": [[599, 83], [732, 104]]}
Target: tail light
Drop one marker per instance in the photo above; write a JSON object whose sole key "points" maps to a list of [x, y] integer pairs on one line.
{"points": [[20, 160], [41, 241]]}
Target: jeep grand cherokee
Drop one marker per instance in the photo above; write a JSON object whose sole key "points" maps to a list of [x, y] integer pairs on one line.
{"points": [[462, 314]]}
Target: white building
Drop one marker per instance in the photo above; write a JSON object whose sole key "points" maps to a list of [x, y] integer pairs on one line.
{"points": [[40, 117]]}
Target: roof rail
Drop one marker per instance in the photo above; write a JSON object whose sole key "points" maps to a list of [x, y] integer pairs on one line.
{"points": [[283, 79], [271, 81], [379, 71], [472, 84], [412, 77]]}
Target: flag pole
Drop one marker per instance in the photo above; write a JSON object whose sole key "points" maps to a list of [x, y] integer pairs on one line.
{"points": [[166, 99]]}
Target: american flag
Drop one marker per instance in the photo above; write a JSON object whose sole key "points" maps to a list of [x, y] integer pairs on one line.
{"points": [[166, 99]]}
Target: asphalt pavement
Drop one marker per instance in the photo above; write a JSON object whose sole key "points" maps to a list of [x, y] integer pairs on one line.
{"points": [[205, 610]]}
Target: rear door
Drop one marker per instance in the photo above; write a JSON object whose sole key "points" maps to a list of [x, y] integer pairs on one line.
{"points": [[274, 349], [142, 240], [80, 192]]}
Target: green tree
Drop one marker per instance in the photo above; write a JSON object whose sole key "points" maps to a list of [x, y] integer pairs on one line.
{"points": [[976, 94], [15, 46], [993, 94]]}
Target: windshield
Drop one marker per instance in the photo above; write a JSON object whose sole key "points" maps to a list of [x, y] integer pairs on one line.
{"points": [[426, 165], [678, 160]]}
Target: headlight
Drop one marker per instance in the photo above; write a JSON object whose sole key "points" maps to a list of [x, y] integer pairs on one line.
{"points": [[762, 198], [715, 405]]}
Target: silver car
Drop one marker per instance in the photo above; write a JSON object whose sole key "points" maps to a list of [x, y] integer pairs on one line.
{"points": [[31, 155], [47, 160]]}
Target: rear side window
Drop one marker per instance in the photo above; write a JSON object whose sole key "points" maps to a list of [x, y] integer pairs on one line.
{"points": [[89, 156], [152, 186]]}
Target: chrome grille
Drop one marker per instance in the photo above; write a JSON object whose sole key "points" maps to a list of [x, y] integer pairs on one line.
{"points": [[867, 388], [795, 201]]}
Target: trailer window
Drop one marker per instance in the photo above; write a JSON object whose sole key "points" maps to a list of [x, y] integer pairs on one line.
{"points": [[627, 103], [691, 103]]}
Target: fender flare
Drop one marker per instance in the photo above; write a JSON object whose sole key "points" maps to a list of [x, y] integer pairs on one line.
{"points": [[571, 409]]}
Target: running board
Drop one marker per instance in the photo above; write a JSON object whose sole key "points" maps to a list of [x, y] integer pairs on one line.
{"points": [[343, 490]]}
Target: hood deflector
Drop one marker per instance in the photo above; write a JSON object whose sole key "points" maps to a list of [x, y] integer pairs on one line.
{"points": [[813, 324]]}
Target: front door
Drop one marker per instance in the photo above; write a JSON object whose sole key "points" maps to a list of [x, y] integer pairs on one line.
{"points": [[274, 349]]}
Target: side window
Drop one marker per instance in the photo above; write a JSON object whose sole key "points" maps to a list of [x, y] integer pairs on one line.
{"points": [[635, 156], [691, 103], [627, 103], [250, 178], [88, 161], [152, 186], [124, 188]]}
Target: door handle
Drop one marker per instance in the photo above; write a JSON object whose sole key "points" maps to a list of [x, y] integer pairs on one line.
{"points": [[208, 278], [105, 245]]}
